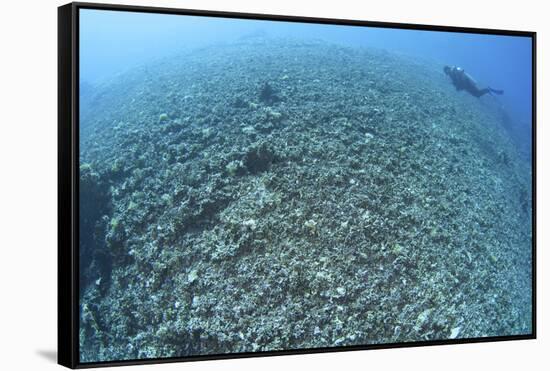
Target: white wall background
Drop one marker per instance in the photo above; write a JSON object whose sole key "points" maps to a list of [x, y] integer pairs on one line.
{"points": [[28, 152]]}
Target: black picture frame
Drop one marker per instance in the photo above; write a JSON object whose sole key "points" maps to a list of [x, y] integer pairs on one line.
{"points": [[68, 179]]}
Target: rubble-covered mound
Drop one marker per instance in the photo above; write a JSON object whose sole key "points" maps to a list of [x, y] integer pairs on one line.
{"points": [[277, 194]]}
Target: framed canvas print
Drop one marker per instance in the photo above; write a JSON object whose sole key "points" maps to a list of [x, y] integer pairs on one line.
{"points": [[235, 185]]}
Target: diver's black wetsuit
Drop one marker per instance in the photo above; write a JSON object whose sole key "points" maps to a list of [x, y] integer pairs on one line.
{"points": [[463, 81]]}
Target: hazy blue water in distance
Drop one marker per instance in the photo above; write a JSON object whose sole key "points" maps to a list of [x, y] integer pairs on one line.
{"points": [[117, 41]]}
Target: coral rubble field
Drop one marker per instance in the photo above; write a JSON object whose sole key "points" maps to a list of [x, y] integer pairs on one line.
{"points": [[280, 194]]}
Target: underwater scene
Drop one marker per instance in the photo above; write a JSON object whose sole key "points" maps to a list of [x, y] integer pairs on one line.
{"points": [[253, 185]]}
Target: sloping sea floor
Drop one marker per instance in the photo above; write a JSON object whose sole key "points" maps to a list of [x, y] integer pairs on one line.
{"points": [[276, 194]]}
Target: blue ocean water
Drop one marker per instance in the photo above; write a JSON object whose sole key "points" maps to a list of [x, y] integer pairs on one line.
{"points": [[118, 41]]}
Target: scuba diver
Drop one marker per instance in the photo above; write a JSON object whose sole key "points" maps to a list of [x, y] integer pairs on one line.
{"points": [[463, 81]]}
